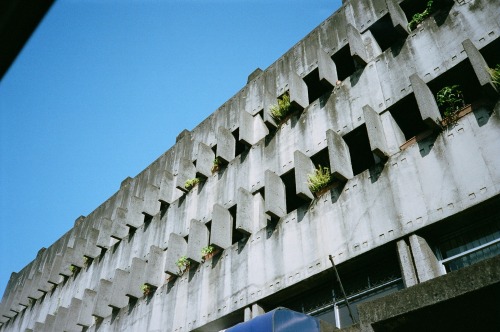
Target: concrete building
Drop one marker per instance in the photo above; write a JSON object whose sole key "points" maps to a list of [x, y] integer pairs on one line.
{"points": [[411, 219]]}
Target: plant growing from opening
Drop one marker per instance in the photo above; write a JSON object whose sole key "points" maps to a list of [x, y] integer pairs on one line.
{"points": [[495, 75], [282, 109], [182, 263], [319, 179], [216, 164], [189, 184], [207, 251], [146, 289], [420, 17], [450, 100], [73, 268]]}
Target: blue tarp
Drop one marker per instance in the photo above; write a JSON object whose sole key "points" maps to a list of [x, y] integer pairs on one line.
{"points": [[279, 320]]}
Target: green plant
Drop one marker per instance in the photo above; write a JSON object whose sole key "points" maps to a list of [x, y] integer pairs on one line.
{"points": [[146, 289], [182, 263], [282, 109], [420, 17], [73, 268], [207, 250], [319, 179], [450, 100], [87, 261], [495, 75], [189, 184], [216, 164]]}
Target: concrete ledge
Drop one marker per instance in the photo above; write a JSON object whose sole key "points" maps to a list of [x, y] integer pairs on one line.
{"points": [[398, 311], [426, 102]]}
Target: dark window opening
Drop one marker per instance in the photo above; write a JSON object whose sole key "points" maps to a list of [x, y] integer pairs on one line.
{"points": [[344, 63], [359, 149], [237, 235], [293, 202], [163, 208], [490, 53], [384, 32], [316, 88], [412, 7], [321, 158], [407, 115], [240, 146], [464, 76], [147, 220], [103, 252], [131, 231]]}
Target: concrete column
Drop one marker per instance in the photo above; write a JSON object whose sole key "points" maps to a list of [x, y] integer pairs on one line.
{"points": [[327, 69], [406, 264], [226, 145], [426, 263], [303, 167], [275, 195], [198, 239], [356, 45], [205, 160], [480, 68], [427, 105], [177, 248], [376, 135], [247, 314], [221, 233], [398, 17], [340, 158], [257, 310], [187, 171], [299, 96]]}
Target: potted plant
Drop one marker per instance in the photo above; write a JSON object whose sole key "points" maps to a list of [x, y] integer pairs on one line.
{"points": [[319, 180], [450, 101], [207, 252], [189, 184], [216, 165], [280, 111], [183, 264]]}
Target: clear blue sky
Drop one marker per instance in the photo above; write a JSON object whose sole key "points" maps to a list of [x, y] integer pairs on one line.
{"points": [[102, 89]]}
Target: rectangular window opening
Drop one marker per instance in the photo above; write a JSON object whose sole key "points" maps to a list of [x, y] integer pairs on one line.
{"points": [[384, 33], [240, 146], [237, 235], [293, 202], [359, 149], [316, 88], [344, 62], [407, 116]]}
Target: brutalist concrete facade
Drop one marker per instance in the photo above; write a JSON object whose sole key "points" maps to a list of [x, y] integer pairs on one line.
{"points": [[362, 86]]}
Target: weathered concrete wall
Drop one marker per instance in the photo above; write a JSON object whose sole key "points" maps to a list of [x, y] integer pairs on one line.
{"points": [[129, 237]]}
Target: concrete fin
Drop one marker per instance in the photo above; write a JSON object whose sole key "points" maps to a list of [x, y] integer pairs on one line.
{"points": [[356, 45], [177, 247], [398, 17], [166, 188], [327, 69], [187, 171], [198, 239], [340, 159], [480, 68], [299, 96], [406, 264], [269, 101], [154, 275], [136, 279], [205, 159], [303, 167], [245, 212], [85, 317], [226, 145], [119, 289], [151, 202], [426, 262], [221, 233], [104, 295], [275, 195], [426, 102], [376, 134]]}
